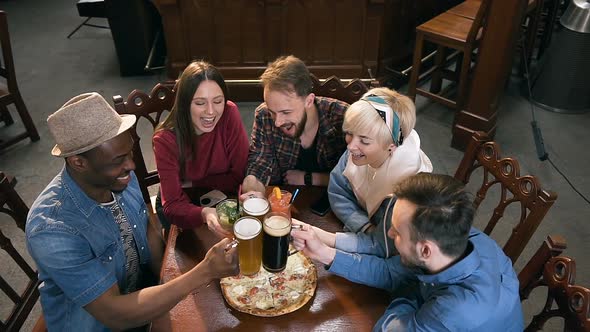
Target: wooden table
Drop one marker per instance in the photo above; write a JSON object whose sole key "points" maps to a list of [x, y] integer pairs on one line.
{"points": [[337, 305]]}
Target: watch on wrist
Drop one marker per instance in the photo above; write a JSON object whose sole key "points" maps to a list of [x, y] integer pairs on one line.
{"points": [[307, 179]]}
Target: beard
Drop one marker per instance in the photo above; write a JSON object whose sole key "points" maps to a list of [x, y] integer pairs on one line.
{"points": [[301, 126], [413, 263]]}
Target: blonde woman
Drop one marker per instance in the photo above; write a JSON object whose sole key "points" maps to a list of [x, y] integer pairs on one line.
{"points": [[382, 149]]}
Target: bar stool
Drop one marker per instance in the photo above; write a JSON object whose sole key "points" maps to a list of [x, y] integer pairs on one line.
{"points": [[448, 30]]}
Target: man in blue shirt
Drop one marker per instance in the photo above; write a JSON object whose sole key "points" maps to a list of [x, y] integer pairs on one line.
{"points": [[448, 276], [88, 230]]}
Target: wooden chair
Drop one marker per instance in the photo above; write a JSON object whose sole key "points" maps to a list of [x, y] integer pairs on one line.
{"points": [[528, 277], [9, 92], [10, 201], [504, 174], [12, 205], [448, 30], [332, 87], [150, 107], [564, 299], [534, 9]]}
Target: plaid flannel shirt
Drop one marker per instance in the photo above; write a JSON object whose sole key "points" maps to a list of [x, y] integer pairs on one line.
{"points": [[272, 153]]}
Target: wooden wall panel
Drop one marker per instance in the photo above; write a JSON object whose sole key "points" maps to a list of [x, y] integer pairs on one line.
{"points": [[334, 37]]}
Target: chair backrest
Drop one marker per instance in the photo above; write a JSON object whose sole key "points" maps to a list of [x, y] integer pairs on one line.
{"points": [[7, 63], [150, 107], [564, 298], [12, 205], [334, 88], [532, 272], [504, 174], [479, 21], [10, 201]]}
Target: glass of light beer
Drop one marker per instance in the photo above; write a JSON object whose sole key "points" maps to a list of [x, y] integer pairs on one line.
{"points": [[255, 207], [247, 232], [275, 241]]}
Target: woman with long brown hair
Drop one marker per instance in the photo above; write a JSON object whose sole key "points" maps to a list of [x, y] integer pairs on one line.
{"points": [[202, 143]]}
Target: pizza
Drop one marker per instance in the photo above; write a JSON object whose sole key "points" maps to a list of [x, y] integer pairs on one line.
{"points": [[268, 294]]}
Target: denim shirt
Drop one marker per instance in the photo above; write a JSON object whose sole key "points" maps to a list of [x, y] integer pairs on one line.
{"points": [[77, 247], [478, 293], [375, 243]]}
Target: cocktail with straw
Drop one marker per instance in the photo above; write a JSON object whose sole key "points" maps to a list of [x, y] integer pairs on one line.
{"points": [[280, 201]]}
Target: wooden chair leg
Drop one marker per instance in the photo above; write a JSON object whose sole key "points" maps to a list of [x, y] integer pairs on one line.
{"points": [[462, 92], [439, 65], [416, 65], [26, 117], [5, 116]]}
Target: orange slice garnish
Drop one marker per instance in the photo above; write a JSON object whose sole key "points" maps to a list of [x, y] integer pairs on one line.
{"points": [[277, 192]]}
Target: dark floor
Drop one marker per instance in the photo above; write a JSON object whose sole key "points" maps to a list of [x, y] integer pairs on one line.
{"points": [[51, 69]]}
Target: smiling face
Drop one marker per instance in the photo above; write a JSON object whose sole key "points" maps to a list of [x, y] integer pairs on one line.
{"points": [[108, 166], [288, 110], [364, 149], [401, 219], [207, 106]]}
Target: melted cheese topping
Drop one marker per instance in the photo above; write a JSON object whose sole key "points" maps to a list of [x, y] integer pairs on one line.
{"points": [[238, 290]]}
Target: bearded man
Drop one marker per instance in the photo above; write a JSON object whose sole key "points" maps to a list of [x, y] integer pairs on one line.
{"points": [[297, 136], [448, 276]]}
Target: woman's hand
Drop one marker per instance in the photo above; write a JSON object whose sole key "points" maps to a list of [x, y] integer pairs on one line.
{"points": [[210, 217], [307, 241]]}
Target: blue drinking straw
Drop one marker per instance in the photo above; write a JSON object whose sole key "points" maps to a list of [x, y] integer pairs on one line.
{"points": [[294, 195]]}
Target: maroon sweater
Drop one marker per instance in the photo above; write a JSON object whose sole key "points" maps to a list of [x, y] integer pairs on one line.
{"points": [[220, 164]]}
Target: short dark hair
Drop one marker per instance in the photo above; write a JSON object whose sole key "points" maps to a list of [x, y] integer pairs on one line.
{"points": [[444, 212], [288, 73], [179, 120]]}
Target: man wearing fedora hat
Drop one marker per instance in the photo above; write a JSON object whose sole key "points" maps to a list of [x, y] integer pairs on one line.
{"points": [[88, 230]]}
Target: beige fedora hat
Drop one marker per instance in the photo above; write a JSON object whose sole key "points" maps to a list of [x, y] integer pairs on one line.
{"points": [[85, 122]]}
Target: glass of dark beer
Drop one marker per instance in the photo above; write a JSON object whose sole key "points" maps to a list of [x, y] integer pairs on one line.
{"points": [[275, 241]]}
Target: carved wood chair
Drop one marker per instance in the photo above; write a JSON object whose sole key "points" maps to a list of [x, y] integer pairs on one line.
{"points": [[332, 87], [563, 298], [448, 30], [9, 92], [503, 174], [150, 107], [12, 205], [10, 201]]}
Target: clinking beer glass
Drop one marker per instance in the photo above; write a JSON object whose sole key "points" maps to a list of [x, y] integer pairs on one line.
{"points": [[249, 240], [275, 241], [255, 207]]}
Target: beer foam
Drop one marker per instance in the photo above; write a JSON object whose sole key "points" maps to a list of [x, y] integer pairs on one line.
{"points": [[247, 228], [277, 226], [255, 205]]}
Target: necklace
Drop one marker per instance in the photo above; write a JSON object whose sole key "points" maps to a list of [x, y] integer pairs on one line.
{"points": [[372, 170]]}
